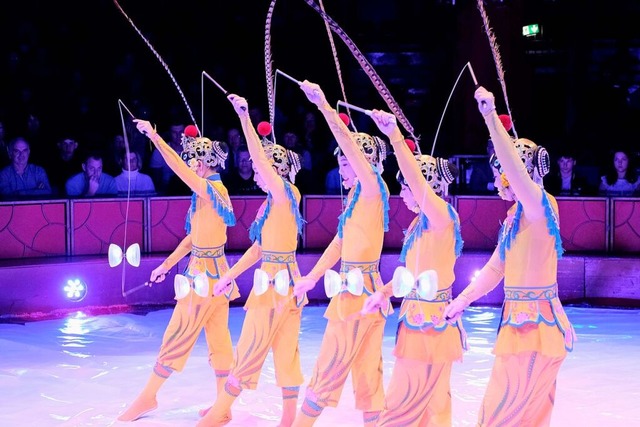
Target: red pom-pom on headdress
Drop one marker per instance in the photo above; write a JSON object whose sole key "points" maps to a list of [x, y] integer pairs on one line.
{"points": [[345, 118], [191, 131], [506, 121], [411, 144], [264, 128]]}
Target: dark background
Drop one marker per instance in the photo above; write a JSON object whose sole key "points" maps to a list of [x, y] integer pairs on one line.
{"points": [[69, 62]]}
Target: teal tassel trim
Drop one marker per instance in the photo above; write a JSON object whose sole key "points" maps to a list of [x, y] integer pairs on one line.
{"points": [[509, 231], [224, 209], [412, 235], [192, 209], [347, 213], [255, 231], [225, 212], [294, 206], [553, 224], [456, 229], [385, 199]]}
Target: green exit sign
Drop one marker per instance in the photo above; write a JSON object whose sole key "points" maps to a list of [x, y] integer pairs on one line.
{"points": [[531, 30]]}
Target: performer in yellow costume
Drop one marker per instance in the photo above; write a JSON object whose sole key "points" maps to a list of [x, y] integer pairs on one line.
{"points": [[352, 342], [207, 220], [419, 393], [272, 320], [534, 334]]}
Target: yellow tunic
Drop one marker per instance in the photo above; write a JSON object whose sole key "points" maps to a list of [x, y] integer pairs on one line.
{"points": [[205, 241]]}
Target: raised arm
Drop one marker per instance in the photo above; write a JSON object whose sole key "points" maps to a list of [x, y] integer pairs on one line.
{"points": [[434, 207], [525, 189], [264, 167], [344, 137], [173, 159]]}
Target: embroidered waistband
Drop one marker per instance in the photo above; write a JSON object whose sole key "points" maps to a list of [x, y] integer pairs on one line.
{"points": [[513, 293], [443, 295], [215, 252], [365, 267], [279, 257]]}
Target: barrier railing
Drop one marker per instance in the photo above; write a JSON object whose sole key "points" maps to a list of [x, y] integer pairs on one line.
{"points": [[46, 228]]}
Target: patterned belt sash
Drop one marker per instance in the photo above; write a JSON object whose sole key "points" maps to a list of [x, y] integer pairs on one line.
{"points": [[443, 295], [214, 252], [365, 267], [279, 257], [514, 293]]}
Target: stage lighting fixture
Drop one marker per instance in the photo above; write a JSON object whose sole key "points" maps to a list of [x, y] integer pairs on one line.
{"points": [[475, 275], [75, 290]]}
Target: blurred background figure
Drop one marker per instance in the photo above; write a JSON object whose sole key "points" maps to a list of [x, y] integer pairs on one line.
{"points": [[481, 180], [4, 146], [240, 182], [621, 176], [64, 162], [91, 181], [131, 181], [564, 179], [22, 178]]}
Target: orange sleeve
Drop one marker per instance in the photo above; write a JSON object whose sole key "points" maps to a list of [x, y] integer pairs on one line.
{"points": [[250, 257], [174, 161], [329, 257], [433, 206], [528, 192], [490, 275], [271, 178], [349, 147], [183, 248]]}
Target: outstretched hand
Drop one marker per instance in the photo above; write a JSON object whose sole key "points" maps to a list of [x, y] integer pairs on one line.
{"points": [[373, 303], [386, 122], [239, 104], [158, 274], [486, 101], [222, 285], [144, 127], [313, 92], [454, 310], [303, 285]]}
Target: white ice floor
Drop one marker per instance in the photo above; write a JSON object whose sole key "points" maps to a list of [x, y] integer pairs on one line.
{"points": [[83, 370]]}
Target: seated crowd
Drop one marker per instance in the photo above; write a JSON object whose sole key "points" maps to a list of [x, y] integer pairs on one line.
{"points": [[71, 171]]}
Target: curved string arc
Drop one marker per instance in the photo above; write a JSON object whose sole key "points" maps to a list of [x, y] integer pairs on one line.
{"points": [[367, 67], [435, 138], [126, 211], [162, 62]]}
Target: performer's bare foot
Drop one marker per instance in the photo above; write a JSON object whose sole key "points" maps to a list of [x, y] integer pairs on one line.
{"points": [[138, 408], [203, 412]]}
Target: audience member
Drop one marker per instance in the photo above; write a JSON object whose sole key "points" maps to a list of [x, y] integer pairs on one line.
{"points": [[306, 179], [160, 172], [131, 181], [234, 140], [481, 180], [63, 163], [91, 181], [333, 182], [564, 180], [4, 146], [22, 178], [113, 158], [621, 178], [240, 181]]}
